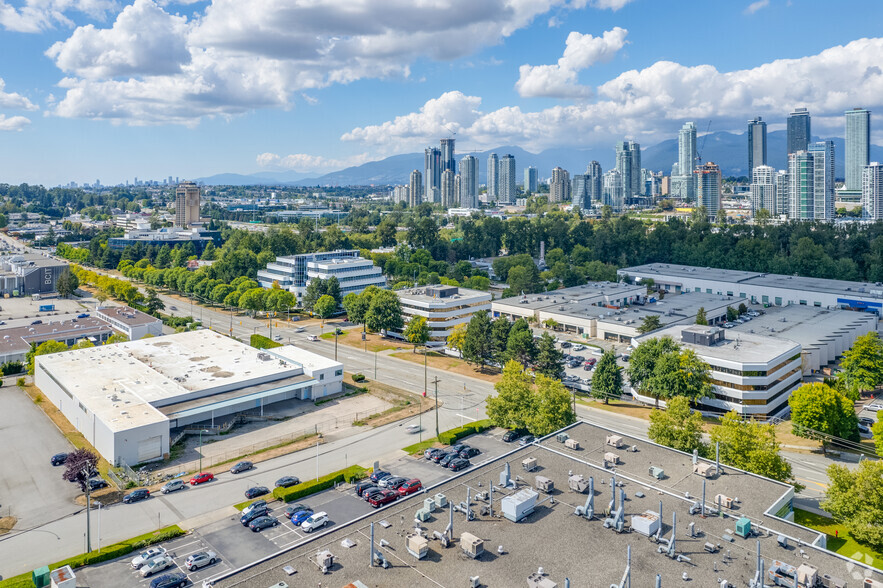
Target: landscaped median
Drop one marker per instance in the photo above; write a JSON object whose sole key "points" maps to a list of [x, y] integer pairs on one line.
{"points": [[349, 475], [107, 553], [449, 437]]}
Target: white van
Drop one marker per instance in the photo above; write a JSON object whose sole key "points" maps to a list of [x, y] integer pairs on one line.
{"points": [[598, 352]]}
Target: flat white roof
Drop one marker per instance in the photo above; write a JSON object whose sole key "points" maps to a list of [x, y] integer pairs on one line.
{"points": [[739, 347], [309, 360], [418, 295]]}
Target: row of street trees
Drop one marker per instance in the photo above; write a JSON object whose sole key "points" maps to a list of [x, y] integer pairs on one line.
{"points": [[541, 405]]}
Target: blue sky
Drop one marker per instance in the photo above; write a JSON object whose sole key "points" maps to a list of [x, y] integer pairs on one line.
{"points": [[111, 89]]}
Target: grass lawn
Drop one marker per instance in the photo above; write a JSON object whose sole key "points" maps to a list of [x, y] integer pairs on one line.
{"points": [[353, 338], [450, 364], [419, 448], [839, 539]]}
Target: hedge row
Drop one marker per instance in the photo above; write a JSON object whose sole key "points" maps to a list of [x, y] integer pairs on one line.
{"points": [[107, 553], [350, 474], [261, 342], [452, 436]]}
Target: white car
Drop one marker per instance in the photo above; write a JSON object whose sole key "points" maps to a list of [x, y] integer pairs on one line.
{"points": [[318, 520], [146, 556], [413, 429], [299, 330], [157, 564], [578, 347], [312, 338]]}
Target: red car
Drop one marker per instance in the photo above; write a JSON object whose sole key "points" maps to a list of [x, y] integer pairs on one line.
{"points": [[410, 487], [200, 478], [383, 497]]}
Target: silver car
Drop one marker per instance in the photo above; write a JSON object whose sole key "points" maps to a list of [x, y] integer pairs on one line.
{"points": [[172, 485], [200, 560], [145, 556]]}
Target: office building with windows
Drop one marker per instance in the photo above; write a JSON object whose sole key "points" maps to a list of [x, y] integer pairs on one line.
{"points": [[872, 191], [763, 189], [447, 155], [531, 180], [628, 164], [432, 170], [507, 193], [448, 197], [756, 144], [493, 178], [294, 272], [823, 179], [612, 190], [593, 182], [799, 130], [559, 186], [443, 307], [186, 204], [682, 184], [858, 148], [469, 182], [415, 194], [708, 188]]}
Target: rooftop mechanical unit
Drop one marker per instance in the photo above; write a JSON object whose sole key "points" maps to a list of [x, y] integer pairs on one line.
{"points": [[657, 473], [614, 441], [417, 545], [571, 444], [743, 527], [544, 484], [529, 464], [706, 470], [538, 580], [578, 483], [471, 545], [646, 523], [611, 458], [519, 505]]}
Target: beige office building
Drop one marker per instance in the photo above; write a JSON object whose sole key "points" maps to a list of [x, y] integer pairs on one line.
{"points": [[186, 204]]}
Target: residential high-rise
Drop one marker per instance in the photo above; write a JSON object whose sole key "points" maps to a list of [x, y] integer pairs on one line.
{"points": [[628, 164], [447, 155], [612, 190], [507, 178], [415, 194], [458, 191], [799, 130], [559, 185], [682, 180], [401, 194], [763, 189], [493, 177], [432, 169], [800, 186], [447, 189], [469, 182], [823, 182], [186, 204], [756, 144], [708, 188], [579, 191], [872, 191], [783, 200], [530, 180], [858, 147], [593, 173]]}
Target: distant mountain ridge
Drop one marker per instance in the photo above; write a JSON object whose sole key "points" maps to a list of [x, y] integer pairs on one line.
{"points": [[728, 150]]}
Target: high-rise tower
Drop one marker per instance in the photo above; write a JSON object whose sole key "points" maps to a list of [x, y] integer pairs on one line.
{"points": [[872, 191], [469, 182], [708, 188], [186, 204], [493, 177], [559, 185], [628, 164], [799, 130], [756, 144], [447, 155], [530, 180], [432, 170], [683, 182], [415, 196], [593, 175], [858, 147], [763, 189], [506, 191], [823, 182]]}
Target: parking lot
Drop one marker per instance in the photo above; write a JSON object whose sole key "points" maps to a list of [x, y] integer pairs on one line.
{"points": [[31, 489], [237, 545]]}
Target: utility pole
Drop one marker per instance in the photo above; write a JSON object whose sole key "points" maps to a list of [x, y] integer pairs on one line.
{"points": [[337, 332], [436, 381]]}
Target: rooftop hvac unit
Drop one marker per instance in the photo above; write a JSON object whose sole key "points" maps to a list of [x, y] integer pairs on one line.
{"points": [[706, 470], [578, 483], [417, 545], [544, 484], [646, 523], [611, 458], [471, 545], [614, 441], [538, 580], [519, 505]]}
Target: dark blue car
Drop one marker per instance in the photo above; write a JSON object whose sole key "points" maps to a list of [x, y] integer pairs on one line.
{"points": [[301, 516], [136, 495], [169, 581]]}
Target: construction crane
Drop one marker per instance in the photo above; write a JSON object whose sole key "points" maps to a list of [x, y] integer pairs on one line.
{"points": [[702, 147]]}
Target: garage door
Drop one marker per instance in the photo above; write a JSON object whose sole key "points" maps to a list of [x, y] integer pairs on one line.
{"points": [[150, 448]]}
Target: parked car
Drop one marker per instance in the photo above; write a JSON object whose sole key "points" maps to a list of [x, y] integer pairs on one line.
{"points": [[176, 580], [384, 497], [96, 483], [83, 315], [200, 559], [292, 510], [136, 495], [362, 486], [379, 475], [173, 308], [588, 367], [565, 345], [256, 491], [409, 487], [625, 357], [392, 482], [263, 522], [440, 455], [429, 453], [301, 516], [254, 505], [287, 482], [458, 464], [512, 435], [59, 459], [240, 467], [172, 485], [866, 421], [37, 322], [157, 564], [367, 494], [147, 555], [864, 430], [578, 347], [468, 452], [316, 521], [728, 325], [202, 478], [526, 440], [251, 515]]}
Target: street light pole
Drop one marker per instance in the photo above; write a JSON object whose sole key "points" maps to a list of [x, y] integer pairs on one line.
{"points": [[200, 451], [436, 381]]}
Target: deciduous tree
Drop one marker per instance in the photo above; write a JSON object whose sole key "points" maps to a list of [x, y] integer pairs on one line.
{"points": [[478, 346], [751, 446], [861, 368], [818, 407], [677, 426], [607, 379], [457, 338], [553, 407], [855, 498], [417, 331], [513, 403], [325, 306], [384, 312]]}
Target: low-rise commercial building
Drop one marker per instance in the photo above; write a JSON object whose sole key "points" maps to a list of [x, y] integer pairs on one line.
{"points": [[751, 374], [603, 294], [26, 274], [294, 272], [171, 236], [132, 323], [127, 398], [443, 307], [16, 342]]}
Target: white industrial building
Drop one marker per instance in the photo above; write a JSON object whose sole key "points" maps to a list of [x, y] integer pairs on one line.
{"points": [[127, 398], [751, 374], [294, 272], [443, 307], [134, 324], [761, 288]]}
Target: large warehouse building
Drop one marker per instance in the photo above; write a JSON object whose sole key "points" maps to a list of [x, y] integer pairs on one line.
{"points": [[127, 398], [26, 274]]}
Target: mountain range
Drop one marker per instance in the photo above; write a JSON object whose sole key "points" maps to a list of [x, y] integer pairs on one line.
{"points": [[728, 150]]}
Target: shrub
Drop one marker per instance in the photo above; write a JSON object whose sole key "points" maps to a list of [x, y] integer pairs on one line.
{"points": [[358, 377], [261, 342], [452, 436], [20, 382], [10, 368], [350, 474]]}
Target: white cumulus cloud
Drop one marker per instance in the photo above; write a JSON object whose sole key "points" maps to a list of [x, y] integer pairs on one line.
{"points": [[35, 16], [561, 80], [755, 6], [13, 123], [14, 100], [304, 162]]}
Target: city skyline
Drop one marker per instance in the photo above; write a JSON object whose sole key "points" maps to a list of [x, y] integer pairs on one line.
{"points": [[220, 87]]}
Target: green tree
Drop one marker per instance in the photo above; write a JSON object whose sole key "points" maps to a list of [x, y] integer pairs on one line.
{"points": [[332, 288], [325, 307], [417, 331], [153, 302], [649, 323], [549, 358], [478, 346], [500, 338], [677, 426], [552, 407], [163, 258], [607, 379], [742, 308], [386, 232], [253, 299], [700, 316], [210, 253], [818, 407], [232, 299], [356, 306], [384, 312], [750, 446], [861, 368], [67, 283], [220, 292], [82, 344], [513, 403], [520, 345], [877, 431], [642, 363], [855, 498], [457, 338], [116, 338], [732, 313], [315, 290], [680, 373], [45, 348]]}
